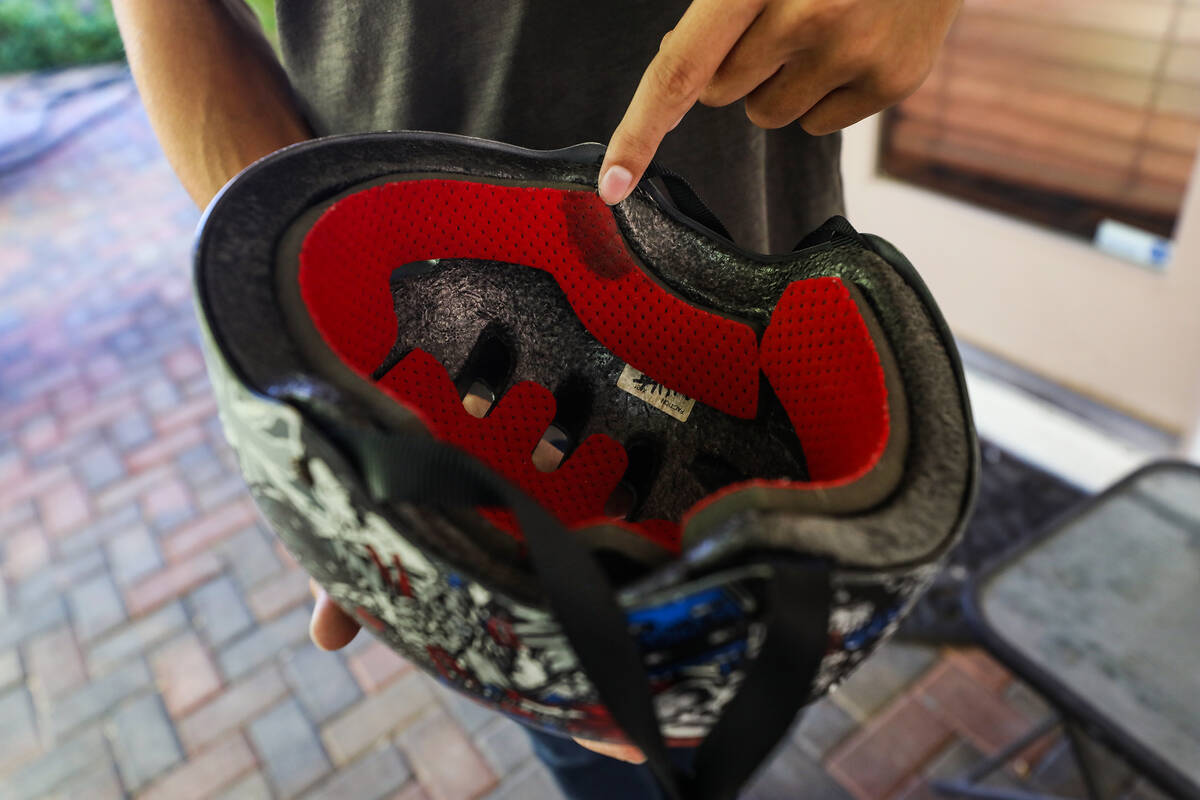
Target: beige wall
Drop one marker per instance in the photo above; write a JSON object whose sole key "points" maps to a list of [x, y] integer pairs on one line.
{"points": [[1124, 335], [1190, 447]]}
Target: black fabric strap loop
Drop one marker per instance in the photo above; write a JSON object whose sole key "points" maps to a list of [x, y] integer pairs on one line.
{"points": [[419, 469], [778, 683], [686, 199]]}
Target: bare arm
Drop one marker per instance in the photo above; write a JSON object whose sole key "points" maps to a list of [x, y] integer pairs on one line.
{"points": [[215, 93]]}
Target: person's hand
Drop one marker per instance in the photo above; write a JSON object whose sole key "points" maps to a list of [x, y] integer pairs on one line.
{"points": [[826, 63], [332, 629]]}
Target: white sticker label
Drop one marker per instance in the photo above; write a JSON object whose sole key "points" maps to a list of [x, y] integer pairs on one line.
{"points": [[643, 386]]}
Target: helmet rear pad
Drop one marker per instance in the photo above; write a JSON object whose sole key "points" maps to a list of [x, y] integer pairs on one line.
{"points": [[561, 261]]}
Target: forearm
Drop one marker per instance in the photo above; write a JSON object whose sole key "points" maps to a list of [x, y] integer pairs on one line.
{"points": [[213, 89]]}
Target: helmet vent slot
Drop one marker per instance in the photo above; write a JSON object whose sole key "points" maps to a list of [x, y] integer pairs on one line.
{"points": [[645, 457], [488, 367], [551, 449], [621, 502], [714, 472], [479, 399], [573, 400]]}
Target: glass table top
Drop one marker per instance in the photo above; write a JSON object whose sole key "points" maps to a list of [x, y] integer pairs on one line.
{"points": [[1108, 605]]}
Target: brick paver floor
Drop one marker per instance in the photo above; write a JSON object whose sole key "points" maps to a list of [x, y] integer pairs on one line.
{"points": [[153, 635]]}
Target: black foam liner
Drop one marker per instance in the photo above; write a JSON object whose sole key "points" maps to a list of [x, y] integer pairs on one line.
{"points": [[1016, 501]]}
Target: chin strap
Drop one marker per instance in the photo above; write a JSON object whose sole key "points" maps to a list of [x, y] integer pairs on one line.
{"points": [[418, 469]]}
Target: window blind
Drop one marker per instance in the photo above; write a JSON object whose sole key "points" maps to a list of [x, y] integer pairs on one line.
{"points": [[1062, 111]]}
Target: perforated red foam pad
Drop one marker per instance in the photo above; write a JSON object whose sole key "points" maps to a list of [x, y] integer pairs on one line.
{"points": [[817, 351], [570, 234], [820, 359], [504, 440]]}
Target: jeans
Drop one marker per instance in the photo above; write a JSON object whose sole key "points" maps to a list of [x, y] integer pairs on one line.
{"points": [[584, 775]]}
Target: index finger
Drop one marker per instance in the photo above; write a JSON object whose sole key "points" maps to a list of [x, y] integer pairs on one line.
{"points": [[684, 65]]}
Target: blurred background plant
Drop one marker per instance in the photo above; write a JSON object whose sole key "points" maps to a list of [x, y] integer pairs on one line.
{"points": [[48, 34], [44, 34], [265, 9]]}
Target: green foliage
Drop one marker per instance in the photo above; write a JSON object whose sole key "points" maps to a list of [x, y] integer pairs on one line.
{"points": [[265, 9], [42, 34]]}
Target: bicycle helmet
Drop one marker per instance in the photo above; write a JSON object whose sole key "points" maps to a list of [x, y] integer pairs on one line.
{"points": [[598, 468]]}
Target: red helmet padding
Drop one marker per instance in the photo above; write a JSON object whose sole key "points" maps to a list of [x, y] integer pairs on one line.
{"points": [[818, 356], [506, 437], [570, 234], [817, 351]]}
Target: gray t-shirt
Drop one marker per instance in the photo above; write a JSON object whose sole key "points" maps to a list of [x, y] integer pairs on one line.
{"points": [[547, 74]]}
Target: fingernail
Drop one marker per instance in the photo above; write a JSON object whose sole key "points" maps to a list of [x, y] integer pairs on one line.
{"points": [[614, 184]]}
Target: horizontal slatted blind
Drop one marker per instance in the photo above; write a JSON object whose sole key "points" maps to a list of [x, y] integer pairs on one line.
{"points": [[1063, 111]]}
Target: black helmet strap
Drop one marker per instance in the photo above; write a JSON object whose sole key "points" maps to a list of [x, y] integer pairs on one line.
{"points": [[418, 469]]}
